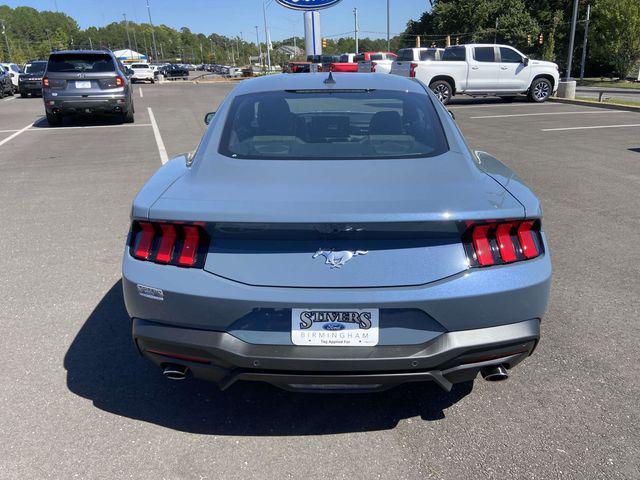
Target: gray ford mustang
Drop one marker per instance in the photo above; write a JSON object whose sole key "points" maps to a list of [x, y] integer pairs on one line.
{"points": [[335, 233]]}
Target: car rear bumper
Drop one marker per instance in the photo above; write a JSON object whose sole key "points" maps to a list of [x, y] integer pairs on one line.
{"points": [[86, 104], [453, 357]]}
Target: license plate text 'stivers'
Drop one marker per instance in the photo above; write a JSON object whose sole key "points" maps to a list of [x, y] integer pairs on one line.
{"points": [[335, 328]]}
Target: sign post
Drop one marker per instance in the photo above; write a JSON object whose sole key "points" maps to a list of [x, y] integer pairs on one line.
{"points": [[312, 30]]}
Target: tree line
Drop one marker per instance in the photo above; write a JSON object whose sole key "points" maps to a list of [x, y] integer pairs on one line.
{"points": [[539, 28]]}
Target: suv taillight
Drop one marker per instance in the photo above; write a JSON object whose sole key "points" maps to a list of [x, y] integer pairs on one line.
{"points": [[169, 243], [45, 82], [412, 70], [119, 81], [498, 243], [373, 67]]}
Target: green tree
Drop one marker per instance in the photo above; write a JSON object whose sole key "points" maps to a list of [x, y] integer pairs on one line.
{"points": [[615, 34]]}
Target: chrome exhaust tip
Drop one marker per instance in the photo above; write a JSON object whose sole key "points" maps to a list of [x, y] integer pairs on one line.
{"points": [[496, 373], [175, 372]]}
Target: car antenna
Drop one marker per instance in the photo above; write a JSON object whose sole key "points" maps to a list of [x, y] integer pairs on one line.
{"points": [[330, 80]]}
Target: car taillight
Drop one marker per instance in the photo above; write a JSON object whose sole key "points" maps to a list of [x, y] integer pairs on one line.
{"points": [[412, 70], [169, 243], [497, 243], [45, 82], [119, 81], [373, 67]]}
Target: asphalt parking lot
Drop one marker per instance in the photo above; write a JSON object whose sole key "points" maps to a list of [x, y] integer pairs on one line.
{"points": [[77, 402]]}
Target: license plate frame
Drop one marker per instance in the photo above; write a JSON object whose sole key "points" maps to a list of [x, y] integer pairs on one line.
{"points": [[83, 84], [335, 327]]}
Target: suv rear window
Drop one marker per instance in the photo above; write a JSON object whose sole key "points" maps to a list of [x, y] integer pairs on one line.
{"points": [[81, 62], [428, 55], [35, 67], [337, 124]]}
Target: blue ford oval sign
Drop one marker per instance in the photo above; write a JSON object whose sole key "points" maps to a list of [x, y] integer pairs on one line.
{"points": [[308, 4]]}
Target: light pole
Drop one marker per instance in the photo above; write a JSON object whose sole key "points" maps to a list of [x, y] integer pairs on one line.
{"points": [[584, 43], [388, 25], [355, 17], [153, 35], [259, 46], [6, 39], [571, 39], [126, 26], [266, 33]]}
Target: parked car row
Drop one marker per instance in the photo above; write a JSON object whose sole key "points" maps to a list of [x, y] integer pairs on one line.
{"points": [[474, 69]]}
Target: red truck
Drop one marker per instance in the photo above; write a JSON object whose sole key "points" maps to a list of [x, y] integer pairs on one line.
{"points": [[347, 63]]}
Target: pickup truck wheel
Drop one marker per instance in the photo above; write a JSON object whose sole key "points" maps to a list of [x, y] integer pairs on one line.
{"points": [[540, 90], [442, 90]]}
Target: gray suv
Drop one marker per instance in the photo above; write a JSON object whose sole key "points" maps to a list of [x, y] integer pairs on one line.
{"points": [[86, 82]]}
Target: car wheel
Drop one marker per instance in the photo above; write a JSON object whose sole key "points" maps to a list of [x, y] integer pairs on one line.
{"points": [[127, 117], [442, 90], [540, 90], [153, 81], [23, 95], [54, 120]]}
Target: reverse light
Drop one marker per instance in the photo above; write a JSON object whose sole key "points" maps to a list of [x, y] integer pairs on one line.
{"points": [[169, 243], [412, 70], [497, 243]]}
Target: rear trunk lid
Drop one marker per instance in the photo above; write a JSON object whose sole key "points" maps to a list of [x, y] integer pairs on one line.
{"points": [[336, 224]]}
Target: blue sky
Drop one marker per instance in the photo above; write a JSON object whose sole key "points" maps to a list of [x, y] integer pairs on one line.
{"points": [[230, 17]]}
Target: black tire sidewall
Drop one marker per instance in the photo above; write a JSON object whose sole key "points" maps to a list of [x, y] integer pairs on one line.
{"points": [[437, 82], [532, 97]]}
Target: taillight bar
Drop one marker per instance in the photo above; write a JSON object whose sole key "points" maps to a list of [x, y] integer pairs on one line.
{"points": [[498, 243], [119, 81], [167, 243], [45, 82]]}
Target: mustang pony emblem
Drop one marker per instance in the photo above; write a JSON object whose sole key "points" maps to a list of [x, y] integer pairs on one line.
{"points": [[338, 259]]}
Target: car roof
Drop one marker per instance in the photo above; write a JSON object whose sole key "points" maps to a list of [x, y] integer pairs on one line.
{"points": [[97, 52], [315, 81]]}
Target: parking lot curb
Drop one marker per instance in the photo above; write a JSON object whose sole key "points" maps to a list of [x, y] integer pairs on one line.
{"points": [[586, 103]]}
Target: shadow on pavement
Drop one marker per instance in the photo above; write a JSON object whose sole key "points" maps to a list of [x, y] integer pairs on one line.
{"points": [[103, 366], [81, 121]]}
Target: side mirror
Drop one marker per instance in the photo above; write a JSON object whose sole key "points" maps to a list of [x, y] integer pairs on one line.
{"points": [[209, 117], [453, 115], [525, 61]]}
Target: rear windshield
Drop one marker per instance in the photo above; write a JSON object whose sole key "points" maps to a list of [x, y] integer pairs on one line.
{"points": [[406, 54], [81, 62], [304, 125], [427, 55], [453, 54], [35, 67], [344, 59]]}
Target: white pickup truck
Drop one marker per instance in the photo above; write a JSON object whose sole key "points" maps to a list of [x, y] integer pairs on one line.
{"points": [[142, 72], [377, 62], [408, 59], [487, 69]]}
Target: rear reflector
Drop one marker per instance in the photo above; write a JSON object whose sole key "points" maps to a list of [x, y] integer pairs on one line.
{"points": [[498, 243], [169, 244]]}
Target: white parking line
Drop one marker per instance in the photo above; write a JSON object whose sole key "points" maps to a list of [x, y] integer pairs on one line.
{"points": [[580, 112], [164, 158], [141, 94], [8, 131], [10, 98], [11, 137], [589, 128], [62, 129], [494, 105]]}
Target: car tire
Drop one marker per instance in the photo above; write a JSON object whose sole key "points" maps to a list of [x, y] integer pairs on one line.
{"points": [[540, 90], [153, 81], [23, 95], [127, 117], [54, 120], [443, 90]]}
